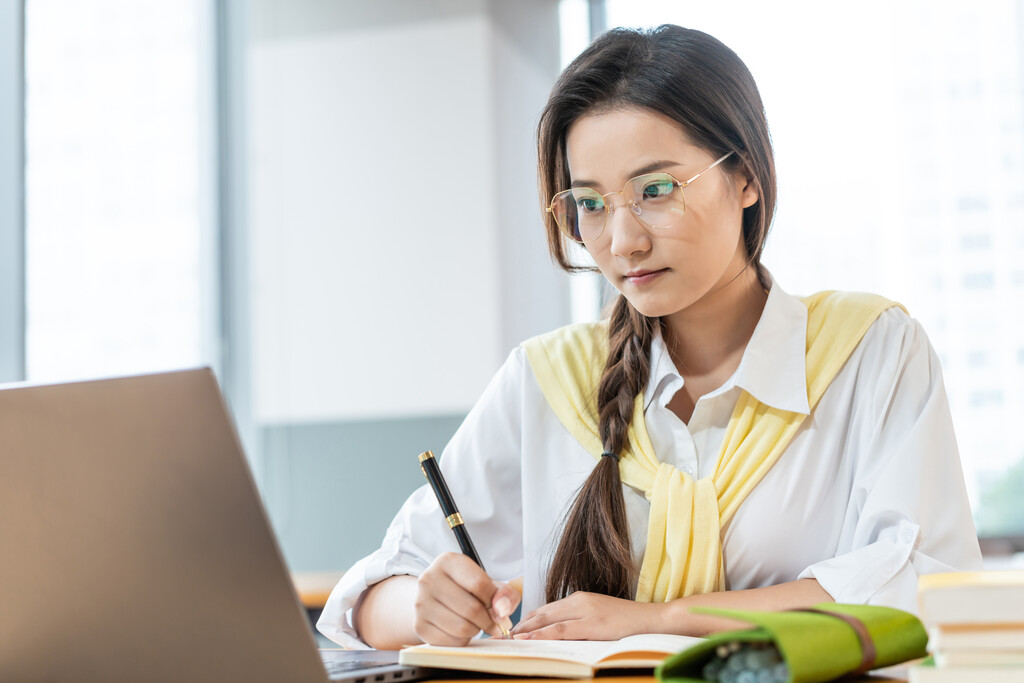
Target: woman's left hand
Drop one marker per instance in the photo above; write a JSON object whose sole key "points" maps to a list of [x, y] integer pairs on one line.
{"points": [[590, 616]]}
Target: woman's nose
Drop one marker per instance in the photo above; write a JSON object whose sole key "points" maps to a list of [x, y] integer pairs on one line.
{"points": [[629, 236]]}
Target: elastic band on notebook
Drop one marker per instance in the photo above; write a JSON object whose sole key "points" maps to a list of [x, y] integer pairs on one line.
{"points": [[867, 646]]}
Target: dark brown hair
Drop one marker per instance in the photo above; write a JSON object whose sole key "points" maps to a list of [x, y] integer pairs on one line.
{"points": [[695, 80]]}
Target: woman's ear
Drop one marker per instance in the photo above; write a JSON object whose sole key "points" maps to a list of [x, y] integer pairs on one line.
{"points": [[746, 187]]}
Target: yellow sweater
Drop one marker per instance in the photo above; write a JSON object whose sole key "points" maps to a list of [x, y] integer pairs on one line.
{"points": [[684, 551]]}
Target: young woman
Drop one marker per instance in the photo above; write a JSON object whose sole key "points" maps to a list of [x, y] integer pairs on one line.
{"points": [[716, 441]]}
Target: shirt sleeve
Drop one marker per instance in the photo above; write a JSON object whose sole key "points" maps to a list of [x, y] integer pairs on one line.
{"points": [[908, 514], [481, 466]]}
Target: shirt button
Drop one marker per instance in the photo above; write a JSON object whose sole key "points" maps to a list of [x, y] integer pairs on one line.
{"points": [[908, 535], [688, 470]]}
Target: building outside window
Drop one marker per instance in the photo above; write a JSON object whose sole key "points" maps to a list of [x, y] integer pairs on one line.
{"points": [[899, 138]]}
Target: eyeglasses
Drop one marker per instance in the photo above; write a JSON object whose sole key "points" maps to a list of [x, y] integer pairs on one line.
{"points": [[656, 199]]}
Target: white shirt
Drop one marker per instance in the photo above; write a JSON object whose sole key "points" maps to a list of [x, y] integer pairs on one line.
{"points": [[868, 496]]}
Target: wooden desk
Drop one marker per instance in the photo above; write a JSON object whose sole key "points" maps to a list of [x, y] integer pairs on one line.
{"points": [[315, 587], [891, 675], [894, 674]]}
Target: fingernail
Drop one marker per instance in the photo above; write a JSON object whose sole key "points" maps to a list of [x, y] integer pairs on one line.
{"points": [[503, 607], [520, 636]]}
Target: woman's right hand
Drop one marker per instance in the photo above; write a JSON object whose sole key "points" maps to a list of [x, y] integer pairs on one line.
{"points": [[455, 600]]}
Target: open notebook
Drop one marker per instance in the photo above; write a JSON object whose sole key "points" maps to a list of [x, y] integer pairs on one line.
{"points": [[558, 658]]}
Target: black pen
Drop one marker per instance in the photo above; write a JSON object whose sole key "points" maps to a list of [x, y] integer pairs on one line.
{"points": [[444, 497]]}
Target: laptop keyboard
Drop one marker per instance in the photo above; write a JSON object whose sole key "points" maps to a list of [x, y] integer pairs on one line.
{"points": [[352, 665], [369, 671]]}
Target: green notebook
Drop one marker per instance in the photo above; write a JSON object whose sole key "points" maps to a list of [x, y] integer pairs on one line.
{"points": [[820, 644]]}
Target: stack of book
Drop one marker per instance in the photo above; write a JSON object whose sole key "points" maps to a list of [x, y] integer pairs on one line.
{"points": [[975, 623]]}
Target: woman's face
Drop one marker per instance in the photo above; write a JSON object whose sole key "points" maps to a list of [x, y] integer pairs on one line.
{"points": [[660, 271]]}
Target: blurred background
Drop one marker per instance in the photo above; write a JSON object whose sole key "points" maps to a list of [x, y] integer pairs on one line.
{"points": [[213, 182]]}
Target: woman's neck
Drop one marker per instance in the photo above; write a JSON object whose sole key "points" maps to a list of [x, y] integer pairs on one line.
{"points": [[707, 339]]}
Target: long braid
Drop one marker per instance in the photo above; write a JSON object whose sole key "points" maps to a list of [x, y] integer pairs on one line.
{"points": [[595, 553]]}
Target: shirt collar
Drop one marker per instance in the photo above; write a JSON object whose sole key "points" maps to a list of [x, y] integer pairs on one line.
{"points": [[773, 368], [774, 365]]}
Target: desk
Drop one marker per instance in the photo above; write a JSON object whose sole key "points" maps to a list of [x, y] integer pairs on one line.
{"points": [[893, 674], [315, 587], [890, 675]]}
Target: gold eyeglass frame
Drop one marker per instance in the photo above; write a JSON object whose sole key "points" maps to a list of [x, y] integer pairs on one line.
{"points": [[633, 206]]}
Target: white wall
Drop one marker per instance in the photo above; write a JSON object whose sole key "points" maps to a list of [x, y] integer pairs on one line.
{"points": [[397, 247]]}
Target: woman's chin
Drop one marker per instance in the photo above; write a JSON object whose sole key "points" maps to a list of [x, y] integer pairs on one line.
{"points": [[649, 307]]}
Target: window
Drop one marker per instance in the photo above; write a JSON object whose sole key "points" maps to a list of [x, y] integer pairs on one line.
{"points": [[986, 398], [900, 170], [979, 280], [978, 358], [975, 240], [574, 26], [119, 241]]}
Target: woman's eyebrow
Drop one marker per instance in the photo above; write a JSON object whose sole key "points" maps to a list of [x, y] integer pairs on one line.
{"points": [[653, 166], [646, 168]]}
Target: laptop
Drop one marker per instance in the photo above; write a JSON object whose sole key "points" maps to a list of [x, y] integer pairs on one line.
{"points": [[134, 545]]}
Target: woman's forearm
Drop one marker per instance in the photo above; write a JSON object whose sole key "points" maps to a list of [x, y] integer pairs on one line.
{"points": [[794, 594], [386, 614]]}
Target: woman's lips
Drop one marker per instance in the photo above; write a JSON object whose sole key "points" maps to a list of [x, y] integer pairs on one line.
{"points": [[642, 277]]}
